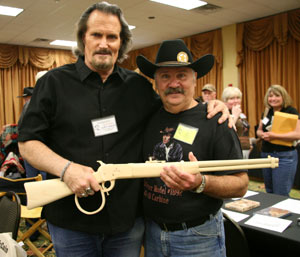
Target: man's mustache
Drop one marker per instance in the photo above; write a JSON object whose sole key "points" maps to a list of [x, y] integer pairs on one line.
{"points": [[171, 90], [103, 52]]}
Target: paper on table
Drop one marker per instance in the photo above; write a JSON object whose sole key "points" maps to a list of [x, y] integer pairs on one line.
{"points": [[236, 216], [290, 205], [249, 193], [267, 222]]}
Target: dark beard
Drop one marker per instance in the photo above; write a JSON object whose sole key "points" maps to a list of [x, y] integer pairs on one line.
{"points": [[102, 66]]}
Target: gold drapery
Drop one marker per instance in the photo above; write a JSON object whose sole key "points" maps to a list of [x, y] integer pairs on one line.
{"points": [[200, 44], [268, 52], [18, 67]]}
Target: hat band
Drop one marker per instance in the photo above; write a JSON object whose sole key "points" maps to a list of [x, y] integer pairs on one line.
{"points": [[172, 62]]}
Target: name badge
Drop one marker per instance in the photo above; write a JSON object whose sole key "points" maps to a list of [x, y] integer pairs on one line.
{"points": [[105, 126], [186, 133], [265, 120], [243, 116]]}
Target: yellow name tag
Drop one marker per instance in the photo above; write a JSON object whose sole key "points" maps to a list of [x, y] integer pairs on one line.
{"points": [[186, 133]]}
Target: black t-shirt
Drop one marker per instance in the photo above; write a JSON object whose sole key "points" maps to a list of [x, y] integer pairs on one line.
{"points": [[269, 147], [60, 114], [212, 141]]}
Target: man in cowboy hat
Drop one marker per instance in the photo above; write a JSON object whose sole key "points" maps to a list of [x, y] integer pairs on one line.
{"points": [[27, 91], [183, 210], [168, 149]]}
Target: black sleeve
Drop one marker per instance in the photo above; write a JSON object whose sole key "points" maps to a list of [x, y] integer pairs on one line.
{"points": [[36, 120]]}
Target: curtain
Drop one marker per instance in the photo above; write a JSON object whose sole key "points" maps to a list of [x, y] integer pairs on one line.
{"points": [[199, 45], [268, 52], [18, 67]]}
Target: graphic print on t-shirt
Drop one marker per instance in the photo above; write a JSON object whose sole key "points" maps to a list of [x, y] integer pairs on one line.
{"points": [[167, 150]]}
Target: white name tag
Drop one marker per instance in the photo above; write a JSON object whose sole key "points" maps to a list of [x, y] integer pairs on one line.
{"points": [[104, 126], [265, 120], [243, 116]]}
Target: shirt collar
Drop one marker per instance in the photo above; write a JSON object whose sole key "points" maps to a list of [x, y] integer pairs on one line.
{"points": [[84, 71]]}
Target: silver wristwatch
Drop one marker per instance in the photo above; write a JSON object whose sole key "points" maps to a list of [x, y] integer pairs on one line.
{"points": [[201, 187]]}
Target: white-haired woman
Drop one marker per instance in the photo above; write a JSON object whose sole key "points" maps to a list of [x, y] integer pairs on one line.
{"points": [[232, 97], [279, 180]]}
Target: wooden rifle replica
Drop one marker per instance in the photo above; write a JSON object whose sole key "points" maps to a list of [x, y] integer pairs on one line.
{"points": [[40, 193]]}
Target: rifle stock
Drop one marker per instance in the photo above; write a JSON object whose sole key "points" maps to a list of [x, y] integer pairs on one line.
{"points": [[40, 193], [45, 191]]}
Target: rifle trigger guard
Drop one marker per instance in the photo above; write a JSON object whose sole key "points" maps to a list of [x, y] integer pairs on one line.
{"points": [[111, 186], [102, 191]]}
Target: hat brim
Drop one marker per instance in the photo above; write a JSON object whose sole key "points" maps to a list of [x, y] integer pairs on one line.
{"points": [[24, 95], [202, 66], [206, 89]]}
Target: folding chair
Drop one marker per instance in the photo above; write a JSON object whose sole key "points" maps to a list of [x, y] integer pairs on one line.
{"points": [[16, 185], [32, 217], [10, 206], [235, 240]]}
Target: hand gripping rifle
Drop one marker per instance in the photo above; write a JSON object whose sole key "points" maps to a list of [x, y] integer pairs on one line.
{"points": [[54, 189]]}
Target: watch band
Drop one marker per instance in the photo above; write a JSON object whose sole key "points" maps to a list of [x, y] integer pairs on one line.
{"points": [[201, 187]]}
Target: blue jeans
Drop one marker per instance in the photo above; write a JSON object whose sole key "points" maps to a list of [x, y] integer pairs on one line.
{"points": [[33, 172], [206, 240], [280, 180], [69, 243]]}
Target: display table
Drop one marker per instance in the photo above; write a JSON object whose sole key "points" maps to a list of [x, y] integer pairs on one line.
{"points": [[263, 242]]}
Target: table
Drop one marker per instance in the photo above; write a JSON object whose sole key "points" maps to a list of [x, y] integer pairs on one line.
{"points": [[267, 243]]}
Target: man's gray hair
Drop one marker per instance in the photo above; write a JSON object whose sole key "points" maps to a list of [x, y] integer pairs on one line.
{"points": [[125, 34]]}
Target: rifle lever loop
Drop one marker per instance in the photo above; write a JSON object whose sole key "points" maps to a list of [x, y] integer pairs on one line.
{"points": [[103, 190]]}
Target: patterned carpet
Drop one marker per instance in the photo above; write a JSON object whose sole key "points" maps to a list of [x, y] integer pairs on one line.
{"points": [[41, 242]]}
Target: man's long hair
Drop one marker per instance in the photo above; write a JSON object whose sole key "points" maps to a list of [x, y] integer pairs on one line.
{"points": [[125, 35]]}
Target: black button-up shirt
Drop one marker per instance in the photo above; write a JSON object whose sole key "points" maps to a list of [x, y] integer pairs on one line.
{"points": [[64, 103]]}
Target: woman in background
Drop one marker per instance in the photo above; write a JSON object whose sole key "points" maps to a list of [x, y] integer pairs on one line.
{"points": [[232, 97], [279, 180]]}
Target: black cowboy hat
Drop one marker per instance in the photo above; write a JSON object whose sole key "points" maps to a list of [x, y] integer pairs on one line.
{"points": [[27, 91], [174, 53], [167, 131]]}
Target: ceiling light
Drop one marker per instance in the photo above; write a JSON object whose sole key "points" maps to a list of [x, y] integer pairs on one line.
{"points": [[184, 4], [63, 43], [131, 27], [10, 11]]}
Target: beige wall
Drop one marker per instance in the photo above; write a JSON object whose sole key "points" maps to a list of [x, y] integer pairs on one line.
{"points": [[230, 71]]}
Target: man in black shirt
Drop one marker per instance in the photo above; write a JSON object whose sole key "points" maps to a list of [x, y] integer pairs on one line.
{"points": [[183, 210], [88, 111]]}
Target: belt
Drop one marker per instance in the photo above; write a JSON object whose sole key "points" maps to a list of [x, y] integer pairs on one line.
{"points": [[182, 225]]}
